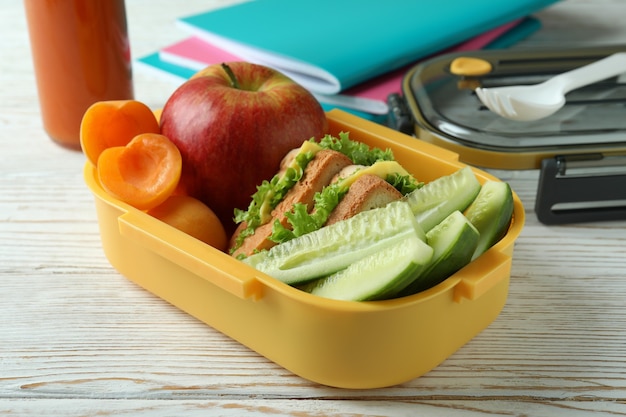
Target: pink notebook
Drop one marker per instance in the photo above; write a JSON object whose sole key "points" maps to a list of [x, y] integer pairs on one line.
{"points": [[371, 96]]}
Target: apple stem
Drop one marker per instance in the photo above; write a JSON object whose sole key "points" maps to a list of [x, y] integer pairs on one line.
{"points": [[233, 80]]}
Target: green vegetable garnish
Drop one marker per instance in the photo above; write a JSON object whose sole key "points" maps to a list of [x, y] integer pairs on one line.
{"points": [[268, 195], [358, 152]]}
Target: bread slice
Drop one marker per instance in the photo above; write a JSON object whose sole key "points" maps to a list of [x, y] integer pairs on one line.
{"points": [[367, 192], [317, 174]]}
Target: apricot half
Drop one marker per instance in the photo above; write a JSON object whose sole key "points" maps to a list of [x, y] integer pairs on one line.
{"points": [[106, 124], [144, 173]]}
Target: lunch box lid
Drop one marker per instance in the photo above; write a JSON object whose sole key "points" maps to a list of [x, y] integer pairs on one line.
{"points": [[441, 107]]}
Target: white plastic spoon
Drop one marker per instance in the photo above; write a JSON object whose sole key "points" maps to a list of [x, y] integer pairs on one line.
{"points": [[533, 102]]}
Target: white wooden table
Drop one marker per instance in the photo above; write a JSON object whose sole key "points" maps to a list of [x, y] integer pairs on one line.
{"points": [[78, 339]]}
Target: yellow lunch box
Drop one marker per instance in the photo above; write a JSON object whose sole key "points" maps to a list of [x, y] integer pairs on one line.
{"points": [[337, 343]]}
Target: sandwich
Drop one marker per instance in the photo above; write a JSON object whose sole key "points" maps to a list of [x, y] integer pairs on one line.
{"points": [[318, 184]]}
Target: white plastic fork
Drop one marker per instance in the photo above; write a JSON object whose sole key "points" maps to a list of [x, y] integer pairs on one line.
{"points": [[534, 102]]}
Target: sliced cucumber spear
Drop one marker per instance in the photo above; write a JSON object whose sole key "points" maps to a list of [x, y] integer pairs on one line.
{"points": [[400, 249], [333, 248], [436, 200], [491, 214], [378, 276], [453, 240]]}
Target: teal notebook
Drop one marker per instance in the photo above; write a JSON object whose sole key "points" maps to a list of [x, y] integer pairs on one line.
{"points": [[179, 73], [329, 45]]}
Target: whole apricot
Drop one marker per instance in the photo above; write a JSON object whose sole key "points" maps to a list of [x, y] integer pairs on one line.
{"points": [[193, 217]]}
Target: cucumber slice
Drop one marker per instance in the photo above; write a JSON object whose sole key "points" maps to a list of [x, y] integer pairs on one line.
{"points": [[378, 276], [454, 241], [436, 200], [491, 214], [332, 248]]}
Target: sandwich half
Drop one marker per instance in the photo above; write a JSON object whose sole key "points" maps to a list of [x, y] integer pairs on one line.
{"points": [[318, 184]]}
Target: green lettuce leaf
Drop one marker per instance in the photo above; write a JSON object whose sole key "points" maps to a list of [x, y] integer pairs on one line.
{"points": [[404, 183], [303, 222], [267, 197], [358, 152]]}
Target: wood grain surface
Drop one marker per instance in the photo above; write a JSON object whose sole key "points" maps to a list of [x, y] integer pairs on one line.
{"points": [[78, 339]]}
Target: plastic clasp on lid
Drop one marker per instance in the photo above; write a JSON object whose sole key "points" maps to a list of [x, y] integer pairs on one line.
{"points": [[581, 188]]}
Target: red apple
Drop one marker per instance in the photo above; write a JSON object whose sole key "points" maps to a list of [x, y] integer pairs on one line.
{"points": [[233, 123]]}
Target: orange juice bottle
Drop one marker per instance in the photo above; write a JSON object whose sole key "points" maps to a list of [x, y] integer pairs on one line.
{"points": [[81, 55]]}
